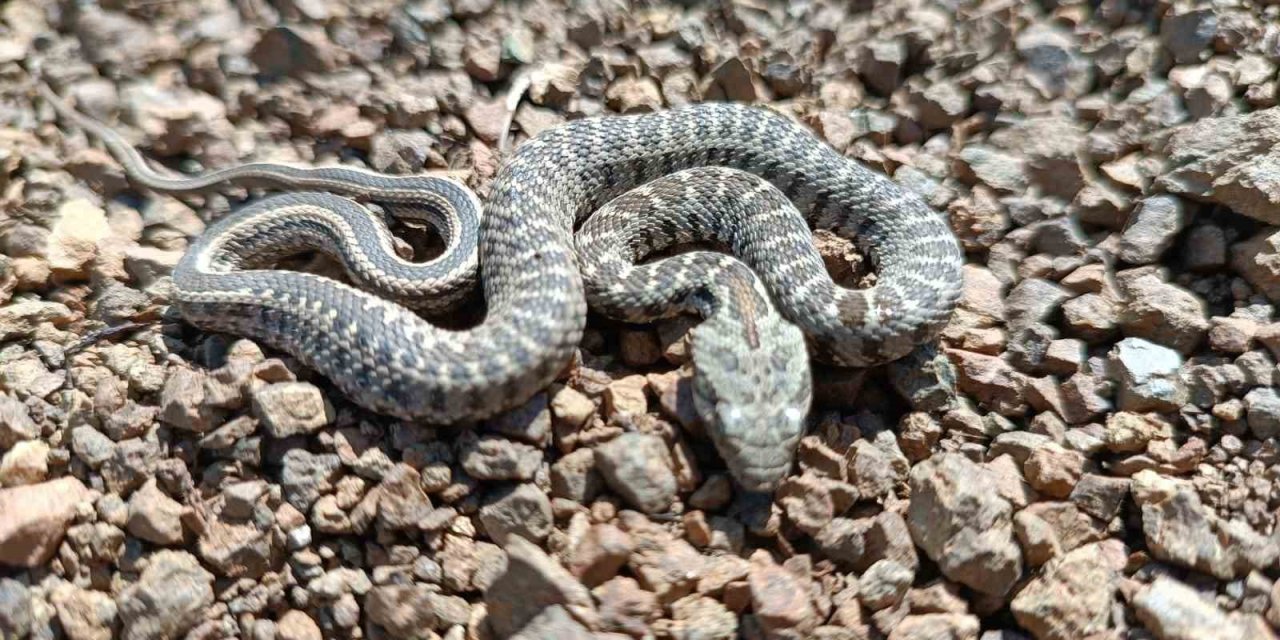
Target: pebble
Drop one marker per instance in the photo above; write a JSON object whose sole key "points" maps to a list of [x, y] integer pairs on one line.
{"points": [[531, 583], [26, 463], [1258, 260], [1152, 228], [496, 458], [154, 516], [1165, 314], [779, 598], [638, 467], [84, 614], [962, 525], [291, 408], [37, 517], [1174, 611], [1148, 375], [170, 597], [522, 510]]}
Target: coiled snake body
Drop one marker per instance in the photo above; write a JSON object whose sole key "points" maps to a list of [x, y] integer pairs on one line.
{"points": [[388, 359]]}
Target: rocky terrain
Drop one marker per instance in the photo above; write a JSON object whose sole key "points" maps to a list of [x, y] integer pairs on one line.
{"points": [[1090, 453]]}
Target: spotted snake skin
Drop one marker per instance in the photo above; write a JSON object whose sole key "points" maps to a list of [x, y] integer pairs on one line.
{"points": [[387, 358]]}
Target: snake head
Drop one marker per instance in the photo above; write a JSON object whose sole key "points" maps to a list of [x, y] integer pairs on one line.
{"points": [[751, 385]]}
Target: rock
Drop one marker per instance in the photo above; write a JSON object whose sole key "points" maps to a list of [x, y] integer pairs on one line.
{"points": [[1148, 376], [84, 614], [880, 64], [15, 608], [1003, 172], [20, 317], [76, 238], [625, 607], [147, 265], [991, 380], [170, 597], [36, 518], [1187, 32], [26, 463], [306, 476], [1100, 496], [1053, 470], [639, 468], [239, 549], [554, 622], [696, 617], [16, 424], [522, 510], [496, 458], [1072, 595], [1128, 432], [1180, 530], [936, 626], [530, 422], [154, 516], [626, 397], [182, 402], [291, 408], [884, 584], [1226, 161], [1165, 314], [1092, 316], [290, 50], [1263, 417], [1258, 260], [603, 550], [297, 625], [402, 503], [1054, 64], [962, 525], [401, 151], [1174, 611], [574, 476], [407, 610], [732, 81], [572, 407], [531, 583], [779, 598], [1151, 230], [634, 95]]}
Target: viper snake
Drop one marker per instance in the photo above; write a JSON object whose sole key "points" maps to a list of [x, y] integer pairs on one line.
{"points": [[743, 178]]}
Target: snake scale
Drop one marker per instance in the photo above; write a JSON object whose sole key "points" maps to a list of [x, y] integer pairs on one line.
{"points": [[739, 176]]}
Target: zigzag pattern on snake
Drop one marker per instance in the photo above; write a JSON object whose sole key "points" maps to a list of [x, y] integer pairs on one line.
{"points": [[388, 359]]}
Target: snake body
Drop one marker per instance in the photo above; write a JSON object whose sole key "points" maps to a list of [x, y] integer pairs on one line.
{"points": [[388, 359]]}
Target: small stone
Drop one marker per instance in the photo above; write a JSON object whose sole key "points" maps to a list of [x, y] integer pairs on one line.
{"points": [[936, 626], [496, 458], [24, 464], [625, 607], [15, 608], [574, 476], [1258, 260], [779, 598], [884, 584], [306, 476], [84, 614], [1100, 496], [288, 50], [154, 516], [296, 625], [572, 407], [1232, 335], [1072, 596], [400, 151], [732, 81], [1187, 32], [1263, 417], [1053, 470], [1180, 530], [182, 404], [522, 510], [291, 408], [76, 238], [634, 95], [402, 504], [1128, 432], [1224, 160], [530, 422], [1152, 227], [16, 424], [603, 550], [171, 596], [1165, 314], [638, 467], [1148, 374], [962, 525], [36, 518], [1174, 611], [626, 396], [531, 583]]}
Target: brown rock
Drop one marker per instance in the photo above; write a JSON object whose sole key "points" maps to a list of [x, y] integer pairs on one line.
{"points": [[639, 468], [937, 626], [36, 518], [296, 625], [779, 598], [1173, 611], [1072, 596], [962, 525], [603, 550], [1258, 260], [532, 582], [154, 516]]}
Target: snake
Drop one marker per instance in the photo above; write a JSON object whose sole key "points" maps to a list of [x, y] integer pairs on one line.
{"points": [[377, 348]]}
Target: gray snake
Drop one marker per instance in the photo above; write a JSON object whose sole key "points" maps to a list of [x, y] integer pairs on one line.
{"points": [[387, 358]]}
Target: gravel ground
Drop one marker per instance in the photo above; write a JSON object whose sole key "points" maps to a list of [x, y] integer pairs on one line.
{"points": [[1091, 452]]}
